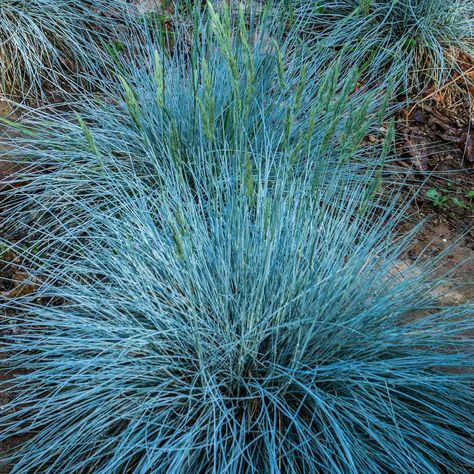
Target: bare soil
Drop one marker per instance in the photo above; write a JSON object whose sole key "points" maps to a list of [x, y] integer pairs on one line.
{"points": [[435, 145]]}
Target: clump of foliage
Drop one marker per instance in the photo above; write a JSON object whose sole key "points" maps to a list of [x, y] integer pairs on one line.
{"points": [[228, 88], [237, 324], [216, 281], [44, 42], [416, 41]]}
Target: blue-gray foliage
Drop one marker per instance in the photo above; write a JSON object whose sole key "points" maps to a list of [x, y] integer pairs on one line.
{"points": [[225, 90], [416, 41], [217, 280], [44, 43], [200, 328]]}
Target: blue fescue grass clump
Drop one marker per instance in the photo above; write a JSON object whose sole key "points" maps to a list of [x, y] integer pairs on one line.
{"points": [[202, 328], [45, 42], [229, 88], [416, 41], [216, 283]]}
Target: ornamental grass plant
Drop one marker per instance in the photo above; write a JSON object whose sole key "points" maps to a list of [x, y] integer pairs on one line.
{"points": [[204, 328], [219, 283], [54, 44], [228, 88], [416, 42]]}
